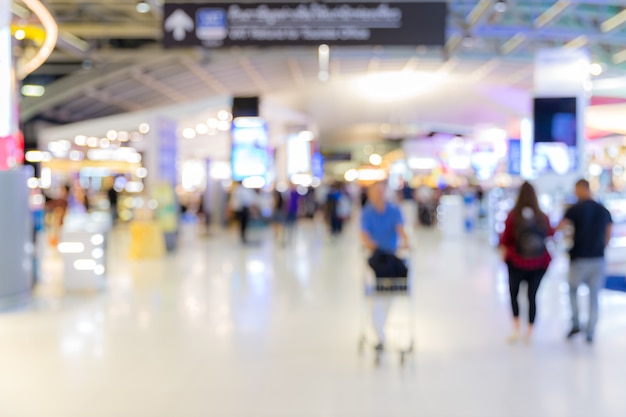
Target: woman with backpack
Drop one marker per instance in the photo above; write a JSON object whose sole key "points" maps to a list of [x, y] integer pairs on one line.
{"points": [[524, 251]]}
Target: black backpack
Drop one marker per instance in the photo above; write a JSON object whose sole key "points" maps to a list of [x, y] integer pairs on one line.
{"points": [[530, 236]]}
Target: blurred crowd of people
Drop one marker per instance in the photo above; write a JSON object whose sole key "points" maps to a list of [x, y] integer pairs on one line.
{"points": [[284, 208]]}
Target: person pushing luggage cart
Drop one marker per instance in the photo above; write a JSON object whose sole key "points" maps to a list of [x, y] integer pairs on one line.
{"points": [[383, 234]]}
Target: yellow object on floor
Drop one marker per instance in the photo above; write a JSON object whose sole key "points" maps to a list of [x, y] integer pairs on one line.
{"points": [[146, 240]]}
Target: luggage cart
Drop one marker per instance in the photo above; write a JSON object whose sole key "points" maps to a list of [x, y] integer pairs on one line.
{"points": [[395, 291]]}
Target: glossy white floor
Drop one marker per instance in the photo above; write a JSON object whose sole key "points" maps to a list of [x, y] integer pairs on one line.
{"points": [[221, 330]]}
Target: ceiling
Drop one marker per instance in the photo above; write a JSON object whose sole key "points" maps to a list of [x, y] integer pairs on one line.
{"points": [[109, 60]]}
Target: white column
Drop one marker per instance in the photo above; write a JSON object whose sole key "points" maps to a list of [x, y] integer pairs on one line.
{"points": [[561, 73]]}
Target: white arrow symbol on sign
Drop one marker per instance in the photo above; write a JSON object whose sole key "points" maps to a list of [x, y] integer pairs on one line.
{"points": [[179, 23]]}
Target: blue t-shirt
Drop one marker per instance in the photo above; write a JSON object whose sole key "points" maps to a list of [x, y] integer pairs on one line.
{"points": [[381, 227], [590, 220]]}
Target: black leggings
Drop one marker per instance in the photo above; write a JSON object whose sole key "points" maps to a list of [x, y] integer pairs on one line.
{"points": [[244, 219], [533, 278]]}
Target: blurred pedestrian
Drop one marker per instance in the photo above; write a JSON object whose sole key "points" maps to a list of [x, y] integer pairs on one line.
{"points": [[57, 209], [525, 253], [278, 215], [113, 197], [242, 200], [292, 212], [382, 232], [334, 210], [592, 225]]}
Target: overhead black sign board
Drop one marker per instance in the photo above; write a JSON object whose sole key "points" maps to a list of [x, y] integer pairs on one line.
{"points": [[275, 24]]}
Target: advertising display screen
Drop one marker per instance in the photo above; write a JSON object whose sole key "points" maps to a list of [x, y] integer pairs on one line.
{"points": [[250, 154], [317, 165], [555, 133], [298, 156], [515, 157]]}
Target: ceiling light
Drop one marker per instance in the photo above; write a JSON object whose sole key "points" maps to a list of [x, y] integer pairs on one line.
{"points": [[35, 156], [20, 34], [143, 7], [189, 133], [123, 136], [30, 90], [141, 172], [80, 140], [104, 143], [92, 141], [144, 128], [112, 135], [324, 62], [351, 175], [224, 115], [394, 86], [376, 159], [500, 6], [76, 156], [202, 129], [595, 69]]}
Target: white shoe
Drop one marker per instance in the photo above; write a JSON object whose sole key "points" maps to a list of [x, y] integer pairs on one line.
{"points": [[513, 337]]}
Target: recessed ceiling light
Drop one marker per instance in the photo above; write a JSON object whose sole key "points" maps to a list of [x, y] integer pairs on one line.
{"points": [[500, 6], [143, 7], [32, 90], [595, 69]]}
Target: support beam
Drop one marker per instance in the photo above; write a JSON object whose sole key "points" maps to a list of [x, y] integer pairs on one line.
{"points": [[453, 42], [158, 86], [558, 34], [512, 44], [484, 70], [254, 75], [68, 88], [552, 13], [411, 64], [106, 98], [521, 75], [373, 65], [296, 72], [197, 70], [619, 57], [613, 22], [478, 12], [577, 43], [448, 66]]}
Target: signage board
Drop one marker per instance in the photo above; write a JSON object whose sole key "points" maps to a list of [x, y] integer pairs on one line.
{"points": [[301, 24]]}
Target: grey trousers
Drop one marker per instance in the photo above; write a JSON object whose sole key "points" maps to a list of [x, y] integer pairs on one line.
{"points": [[589, 271]]}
